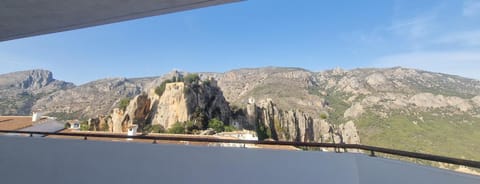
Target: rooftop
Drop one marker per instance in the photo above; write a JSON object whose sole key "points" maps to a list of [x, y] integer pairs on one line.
{"points": [[15, 122], [45, 125]]}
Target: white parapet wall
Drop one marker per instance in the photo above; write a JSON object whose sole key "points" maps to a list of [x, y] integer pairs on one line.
{"points": [[36, 116]]}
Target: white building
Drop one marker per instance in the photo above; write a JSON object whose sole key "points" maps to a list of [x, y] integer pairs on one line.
{"points": [[75, 125], [36, 116], [240, 135], [132, 130]]}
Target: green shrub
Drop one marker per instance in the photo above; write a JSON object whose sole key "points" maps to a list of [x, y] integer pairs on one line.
{"points": [[149, 128], [160, 89], [216, 124], [229, 128], [200, 118], [191, 127], [191, 78], [177, 128], [124, 103], [323, 116], [158, 129], [263, 132], [177, 79], [84, 126]]}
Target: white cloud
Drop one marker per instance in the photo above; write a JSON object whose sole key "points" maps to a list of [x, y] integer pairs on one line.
{"points": [[439, 39], [414, 28], [463, 63], [413, 31], [466, 38], [419, 25], [471, 8]]}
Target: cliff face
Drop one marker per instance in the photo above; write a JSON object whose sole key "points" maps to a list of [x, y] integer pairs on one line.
{"points": [[172, 106], [206, 99], [203, 100], [295, 125], [119, 121], [33, 80], [288, 87], [180, 102]]}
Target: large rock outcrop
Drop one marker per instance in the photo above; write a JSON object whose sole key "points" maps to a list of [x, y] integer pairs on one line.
{"points": [[172, 106], [295, 125], [118, 120], [100, 123], [138, 111], [179, 102]]}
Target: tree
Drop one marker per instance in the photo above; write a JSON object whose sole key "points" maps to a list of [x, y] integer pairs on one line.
{"points": [[199, 118], [177, 128], [84, 126], [229, 128], [216, 124], [191, 127], [263, 132], [124, 103], [158, 129], [149, 128], [191, 78]]}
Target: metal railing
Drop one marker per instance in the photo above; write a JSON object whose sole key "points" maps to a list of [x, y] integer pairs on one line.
{"points": [[371, 149]]}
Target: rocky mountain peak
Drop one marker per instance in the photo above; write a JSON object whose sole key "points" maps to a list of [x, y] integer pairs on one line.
{"points": [[20, 90], [30, 79]]}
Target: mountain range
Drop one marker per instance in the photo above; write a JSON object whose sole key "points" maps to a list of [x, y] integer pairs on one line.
{"points": [[399, 108]]}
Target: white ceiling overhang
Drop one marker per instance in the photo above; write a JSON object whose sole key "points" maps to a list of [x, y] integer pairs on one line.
{"points": [[24, 18]]}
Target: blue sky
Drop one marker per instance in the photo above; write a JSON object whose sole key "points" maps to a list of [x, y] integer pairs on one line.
{"points": [[441, 36]]}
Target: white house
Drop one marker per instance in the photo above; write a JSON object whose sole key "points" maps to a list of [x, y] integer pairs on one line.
{"points": [[75, 125]]}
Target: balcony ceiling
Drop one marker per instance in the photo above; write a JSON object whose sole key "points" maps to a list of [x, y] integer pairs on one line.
{"points": [[24, 18]]}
